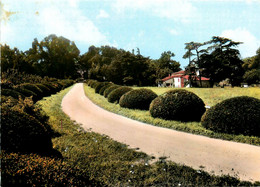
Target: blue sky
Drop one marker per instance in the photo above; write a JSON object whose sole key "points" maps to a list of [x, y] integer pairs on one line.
{"points": [[154, 26]]}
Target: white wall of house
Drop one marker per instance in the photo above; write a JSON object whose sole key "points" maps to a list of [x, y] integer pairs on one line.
{"points": [[177, 82]]}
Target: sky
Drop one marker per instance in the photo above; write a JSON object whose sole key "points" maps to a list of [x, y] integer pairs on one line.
{"points": [[153, 26]]}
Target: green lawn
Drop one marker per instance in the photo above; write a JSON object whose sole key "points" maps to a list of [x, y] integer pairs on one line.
{"points": [[210, 96], [110, 163]]}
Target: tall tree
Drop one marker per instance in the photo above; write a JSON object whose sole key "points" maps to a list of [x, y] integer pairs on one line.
{"points": [[252, 67], [193, 49], [223, 61], [165, 61], [55, 56]]}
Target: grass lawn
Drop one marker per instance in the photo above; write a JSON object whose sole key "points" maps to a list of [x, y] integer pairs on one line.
{"points": [[210, 96], [109, 163]]}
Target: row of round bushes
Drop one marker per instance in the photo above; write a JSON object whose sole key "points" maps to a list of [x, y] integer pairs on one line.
{"points": [[37, 91], [24, 128], [239, 115]]}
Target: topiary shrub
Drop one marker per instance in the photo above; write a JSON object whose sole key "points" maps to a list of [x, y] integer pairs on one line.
{"points": [[180, 105], [110, 89], [238, 115], [12, 93], [46, 91], [115, 95], [33, 88], [95, 84], [23, 133], [137, 99], [66, 83], [53, 89], [100, 85], [101, 91], [25, 92]]}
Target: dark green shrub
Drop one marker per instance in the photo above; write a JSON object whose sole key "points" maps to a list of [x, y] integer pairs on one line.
{"points": [[100, 85], [115, 95], [137, 99], [101, 91], [58, 85], [6, 85], [66, 83], [238, 115], [53, 89], [33, 88], [46, 91], [110, 89], [12, 93], [92, 83], [23, 133], [25, 92], [35, 170], [95, 84], [180, 105]]}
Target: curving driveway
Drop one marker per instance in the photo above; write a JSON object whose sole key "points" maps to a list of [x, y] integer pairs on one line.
{"points": [[199, 152]]}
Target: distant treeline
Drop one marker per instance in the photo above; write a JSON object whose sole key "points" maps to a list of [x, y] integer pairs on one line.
{"points": [[60, 58]]}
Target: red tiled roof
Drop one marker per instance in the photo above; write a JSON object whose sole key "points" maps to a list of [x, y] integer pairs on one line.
{"points": [[182, 74]]}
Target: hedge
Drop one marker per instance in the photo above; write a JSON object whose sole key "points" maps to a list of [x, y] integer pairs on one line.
{"points": [[238, 115], [179, 104], [116, 94], [137, 99]]}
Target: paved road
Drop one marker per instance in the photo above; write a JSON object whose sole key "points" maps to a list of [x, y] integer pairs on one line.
{"points": [[222, 157]]}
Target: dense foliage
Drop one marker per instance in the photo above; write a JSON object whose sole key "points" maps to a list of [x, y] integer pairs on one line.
{"points": [[100, 85], [178, 104], [110, 89], [220, 60], [252, 67], [35, 170], [116, 94], [101, 91], [23, 133], [137, 99], [238, 115]]}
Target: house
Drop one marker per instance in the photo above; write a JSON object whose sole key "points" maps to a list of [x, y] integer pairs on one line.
{"points": [[180, 80]]}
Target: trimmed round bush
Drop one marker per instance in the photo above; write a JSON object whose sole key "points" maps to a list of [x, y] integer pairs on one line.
{"points": [[137, 99], [33, 88], [53, 89], [95, 84], [46, 91], [179, 104], [115, 95], [100, 85], [110, 89], [91, 82], [25, 92], [12, 93], [237, 115], [23, 133], [101, 91], [66, 83]]}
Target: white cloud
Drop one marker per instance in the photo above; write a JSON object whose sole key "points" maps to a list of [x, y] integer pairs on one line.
{"points": [[102, 14], [250, 42], [174, 32], [72, 25], [63, 18], [177, 10]]}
